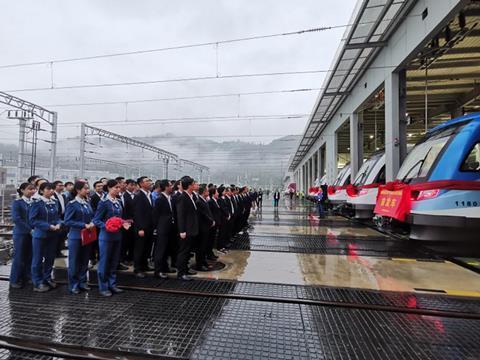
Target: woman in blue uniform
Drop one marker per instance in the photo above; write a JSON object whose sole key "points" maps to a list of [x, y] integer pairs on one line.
{"points": [[22, 237], [78, 216], [109, 242], [46, 223]]}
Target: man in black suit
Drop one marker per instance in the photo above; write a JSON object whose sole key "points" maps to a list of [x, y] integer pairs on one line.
{"points": [[166, 228], [220, 217], [95, 199], [187, 221], [205, 223], [276, 198], [97, 195], [217, 217], [128, 238], [144, 225], [122, 198], [62, 204], [224, 231], [68, 191]]}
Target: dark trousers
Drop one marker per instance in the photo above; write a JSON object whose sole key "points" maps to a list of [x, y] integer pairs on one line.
{"points": [[275, 202], [61, 237], [184, 246], [162, 246], [142, 250], [202, 246], [238, 222], [107, 266], [77, 263], [128, 243], [94, 252], [212, 240], [21, 270], [222, 236], [230, 231], [43, 250]]}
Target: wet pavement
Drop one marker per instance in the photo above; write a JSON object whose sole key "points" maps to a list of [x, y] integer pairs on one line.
{"points": [[291, 288]]}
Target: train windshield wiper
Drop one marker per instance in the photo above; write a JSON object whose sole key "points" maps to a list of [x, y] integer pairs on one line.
{"points": [[419, 162]]}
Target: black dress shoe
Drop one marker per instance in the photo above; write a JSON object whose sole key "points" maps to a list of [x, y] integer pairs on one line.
{"points": [[202, 268], [41, 288], [75, 291], [60, 256], [141, 275], [191, 272], [116, 290], [161, 275], [172, 270], [16, 286], [106, 293], [185, 278], [122, 267], [52, 284], [85, 288]]}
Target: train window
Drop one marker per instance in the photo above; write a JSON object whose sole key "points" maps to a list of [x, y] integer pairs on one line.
{"points": [[341, 175], [381, 176], [420, 160], [366, 169], [472, 162]]}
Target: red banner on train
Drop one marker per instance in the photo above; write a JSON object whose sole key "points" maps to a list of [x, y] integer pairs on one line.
{"points": [[393, 203]]}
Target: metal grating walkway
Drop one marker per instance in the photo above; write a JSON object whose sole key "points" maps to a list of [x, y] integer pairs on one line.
{"points": [[198, 327], [332, 245]]}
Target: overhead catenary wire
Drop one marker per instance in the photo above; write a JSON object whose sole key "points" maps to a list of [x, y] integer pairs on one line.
{"points": [[198, 78], [183, 120], [178, 47], [185, 97]]}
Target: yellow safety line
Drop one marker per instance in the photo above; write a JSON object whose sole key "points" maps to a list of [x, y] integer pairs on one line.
{"points": [[403, 259], [473, 263], [463, 293]]}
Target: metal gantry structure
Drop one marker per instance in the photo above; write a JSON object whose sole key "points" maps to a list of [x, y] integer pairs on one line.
{"points": [[115, 163], [198, 167], [36, 114], [166, 156]]}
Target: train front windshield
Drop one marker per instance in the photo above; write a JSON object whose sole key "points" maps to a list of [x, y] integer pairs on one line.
{"points": [[341, 175], [419, 162], [366, 169]]}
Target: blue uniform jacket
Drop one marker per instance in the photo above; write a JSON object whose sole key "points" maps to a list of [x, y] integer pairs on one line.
{"points": [[41, 216], [20, 217], [77, 215], [105, 210]]}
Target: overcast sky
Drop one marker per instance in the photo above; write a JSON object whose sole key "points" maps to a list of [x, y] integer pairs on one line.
{"points": [[56, 29]]}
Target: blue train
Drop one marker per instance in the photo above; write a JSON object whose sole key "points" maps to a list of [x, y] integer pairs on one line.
{"points": [[443, 175]]}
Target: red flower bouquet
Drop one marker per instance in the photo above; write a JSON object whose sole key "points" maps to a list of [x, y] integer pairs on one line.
{"points": [[114, 224]]}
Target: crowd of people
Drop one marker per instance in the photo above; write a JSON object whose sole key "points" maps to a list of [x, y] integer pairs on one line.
{"points": [[164, 224]]}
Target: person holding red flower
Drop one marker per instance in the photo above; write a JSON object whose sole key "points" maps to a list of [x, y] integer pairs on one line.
{"points": [[108, 219]]}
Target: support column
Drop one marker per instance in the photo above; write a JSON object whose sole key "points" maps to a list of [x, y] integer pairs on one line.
{"points": [[82, 151], [307, 177], [304, 177], [319, 164], [402, 115], [53, 147], [331, 157], [356, 144], [21, 150], [392, 126], [312, 179]]}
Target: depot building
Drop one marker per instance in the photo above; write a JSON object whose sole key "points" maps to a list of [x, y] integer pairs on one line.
{"points": [[402, 68]]}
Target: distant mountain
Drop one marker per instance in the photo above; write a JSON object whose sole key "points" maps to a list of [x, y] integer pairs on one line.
{"points": [[231, 161]]}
